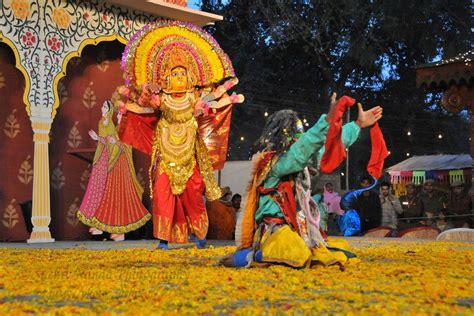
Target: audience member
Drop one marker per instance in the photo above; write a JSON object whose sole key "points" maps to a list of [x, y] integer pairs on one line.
{"points": [[412, 208], [443, 223], [368, 207], [391, 207], [221, 215], [433, 201], [459, 203]]}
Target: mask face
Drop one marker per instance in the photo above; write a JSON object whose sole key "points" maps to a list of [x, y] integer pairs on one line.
{"points": [[179, 79]]}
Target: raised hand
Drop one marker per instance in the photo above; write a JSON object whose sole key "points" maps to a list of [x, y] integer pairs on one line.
{"points": [[369, 117], [229, 84], [332, 107]]}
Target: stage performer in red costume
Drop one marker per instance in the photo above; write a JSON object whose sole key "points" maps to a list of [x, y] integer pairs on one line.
{"points": [[176, 108]]}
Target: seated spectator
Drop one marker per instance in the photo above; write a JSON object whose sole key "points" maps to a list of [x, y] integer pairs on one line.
{"points": [[322, 208], [442, 223], [412, 208], [368, 207], [332, 199], [391, 207], [433, 201], [221, 216], [236, 200], [459, 203]]}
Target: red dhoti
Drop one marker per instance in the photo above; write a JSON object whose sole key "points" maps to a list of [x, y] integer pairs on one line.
{"points": [[177, 216]]}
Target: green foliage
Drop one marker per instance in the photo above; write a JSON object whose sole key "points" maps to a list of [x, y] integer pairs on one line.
{"points": [[293, 53]]}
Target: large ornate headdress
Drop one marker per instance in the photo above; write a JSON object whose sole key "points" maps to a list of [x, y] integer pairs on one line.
{"points": [[157, 48]]}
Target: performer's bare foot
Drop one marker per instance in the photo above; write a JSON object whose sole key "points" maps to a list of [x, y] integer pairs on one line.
{"points": [[227, 261], [117, 237]]}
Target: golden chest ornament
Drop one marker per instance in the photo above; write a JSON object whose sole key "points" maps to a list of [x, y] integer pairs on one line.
{"points": [[176, 140]]}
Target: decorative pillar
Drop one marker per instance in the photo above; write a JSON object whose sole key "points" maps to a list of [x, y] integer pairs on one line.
{"points": [[41, 211]]}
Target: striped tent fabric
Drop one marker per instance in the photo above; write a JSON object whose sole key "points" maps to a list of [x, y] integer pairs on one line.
{"points": [[418, 177], [456, 175]]}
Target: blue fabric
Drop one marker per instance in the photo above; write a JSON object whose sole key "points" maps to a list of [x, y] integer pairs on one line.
{"points": [[349, 223], [163, 245], [240, 257], [349, 199], [201, 244], [258, 256]]}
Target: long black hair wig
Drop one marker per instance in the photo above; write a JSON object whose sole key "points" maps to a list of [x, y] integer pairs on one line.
{"points": [[279, 132]]}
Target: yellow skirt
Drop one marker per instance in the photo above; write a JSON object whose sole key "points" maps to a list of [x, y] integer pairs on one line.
{"points": [[287, 247]]}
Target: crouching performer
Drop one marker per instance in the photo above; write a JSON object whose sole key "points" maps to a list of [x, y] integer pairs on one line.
{"points": [[281, 224]]}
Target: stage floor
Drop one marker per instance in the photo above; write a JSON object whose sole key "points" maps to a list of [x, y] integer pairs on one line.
{"points": [[394, 276], [356, 242]]}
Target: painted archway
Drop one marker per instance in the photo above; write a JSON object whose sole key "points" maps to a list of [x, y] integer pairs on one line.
{"points": [[44, 36]]}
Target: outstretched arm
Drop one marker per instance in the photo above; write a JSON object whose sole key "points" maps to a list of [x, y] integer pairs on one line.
{"points": [[350, 132], [136, 108], [364, 118], [140, 100], [311, 142], [218, 98]]}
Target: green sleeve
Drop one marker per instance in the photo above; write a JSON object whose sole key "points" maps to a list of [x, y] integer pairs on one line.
{"points": [[297, 157]]}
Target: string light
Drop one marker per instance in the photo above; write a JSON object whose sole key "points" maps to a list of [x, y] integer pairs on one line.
{"points": [[408, 154], [265, 114], [409, 133], [342, 174], [242, 138], [463, 57], [440, 136], [389, 152]]}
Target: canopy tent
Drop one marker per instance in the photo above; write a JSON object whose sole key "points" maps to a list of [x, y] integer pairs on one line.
{"points": [[433, 162], [444, 169]]}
